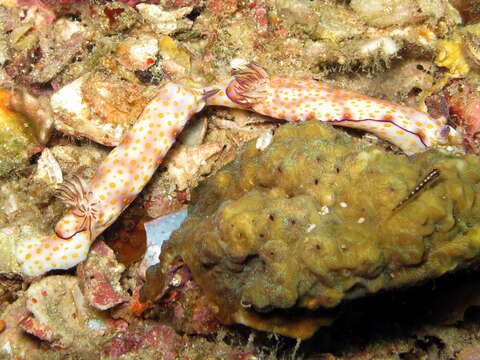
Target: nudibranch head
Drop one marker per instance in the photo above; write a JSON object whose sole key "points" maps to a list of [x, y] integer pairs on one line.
{"points": [[248, 85], [38, 255], [83, 213]]}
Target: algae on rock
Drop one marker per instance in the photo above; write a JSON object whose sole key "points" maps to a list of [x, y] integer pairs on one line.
{"points": [[309, 222], [17, 139]]}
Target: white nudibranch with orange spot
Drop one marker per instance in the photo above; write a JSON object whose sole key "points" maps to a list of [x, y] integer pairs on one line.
{"points": [[295, 99], [118, 180], [126, 170]]}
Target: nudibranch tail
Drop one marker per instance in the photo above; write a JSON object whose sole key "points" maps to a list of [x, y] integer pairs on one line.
{"points": [[248, 85], [38, 255]]}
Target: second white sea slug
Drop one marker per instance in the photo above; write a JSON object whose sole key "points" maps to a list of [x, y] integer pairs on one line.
{"points": [[117, 182], [296, 99]]}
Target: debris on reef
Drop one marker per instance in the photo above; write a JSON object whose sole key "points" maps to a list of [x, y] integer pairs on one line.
{"points": [[60, 292], [37, 110], [183, 304], [256, 238], [158, 231]]}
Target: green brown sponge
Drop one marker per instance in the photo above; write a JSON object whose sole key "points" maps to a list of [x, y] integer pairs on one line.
{"points": [[311, 221]]}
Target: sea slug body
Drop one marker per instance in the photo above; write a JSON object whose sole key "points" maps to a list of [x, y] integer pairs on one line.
{"points": [[126, 170], [118, 180], [295, 99]]}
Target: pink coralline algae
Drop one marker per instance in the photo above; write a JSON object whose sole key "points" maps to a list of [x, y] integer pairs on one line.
{"points": [[161, 338], [126, 170], [100, 276], [463, 102]]}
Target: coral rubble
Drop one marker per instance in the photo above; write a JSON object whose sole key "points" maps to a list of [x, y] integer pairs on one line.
{"points": [[312, 220]]}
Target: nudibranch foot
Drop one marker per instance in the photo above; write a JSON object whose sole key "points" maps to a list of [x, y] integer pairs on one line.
{"points": [[39, 255]]}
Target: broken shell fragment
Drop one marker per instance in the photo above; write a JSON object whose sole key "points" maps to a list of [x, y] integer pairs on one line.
{"points": [[17, 137], [138, 53], [166, 22], [158, 231], [98, 108], [38, 111]]}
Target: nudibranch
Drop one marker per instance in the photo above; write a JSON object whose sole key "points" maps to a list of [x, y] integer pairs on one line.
{"points": [[295, 99], [118, 180], [126, 170]]}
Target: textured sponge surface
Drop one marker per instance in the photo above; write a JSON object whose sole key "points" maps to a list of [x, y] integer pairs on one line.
{"points": [[311, 221]]}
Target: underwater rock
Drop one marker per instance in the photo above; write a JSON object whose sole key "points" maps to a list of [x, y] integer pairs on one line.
{"points": [[17, 137], [8, 264], [138, 52], [185, 163], [48, 169], [222, 7], [98, 106], [320, 20], [10, 285], [314, 219], [463, 100], [399, 12], [13, 340], [162, 339], [471, 352], [469, 10], [70, 327], [176, 61], [183, 304], [114, 17], [58, 49], [100, 277]]}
